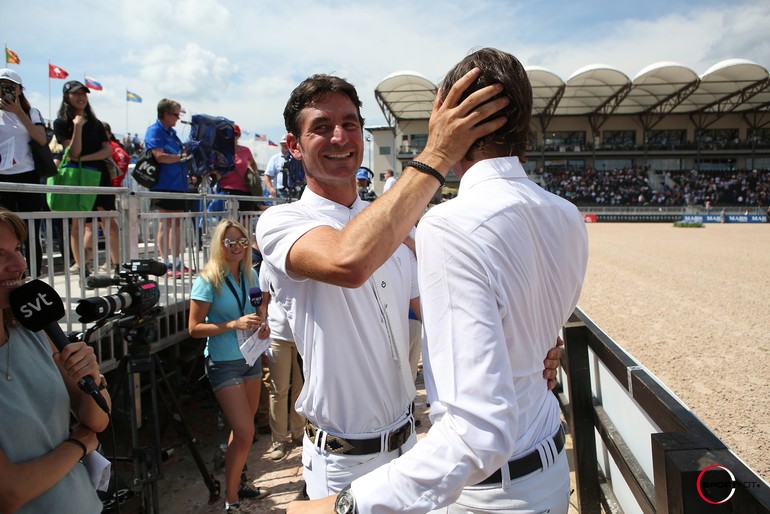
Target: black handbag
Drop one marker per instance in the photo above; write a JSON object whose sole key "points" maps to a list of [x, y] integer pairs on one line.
{"points": [[43, 158], [146, 172]]}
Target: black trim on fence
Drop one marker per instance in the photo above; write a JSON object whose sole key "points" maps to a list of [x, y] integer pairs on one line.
{"points": [[687, 456]]}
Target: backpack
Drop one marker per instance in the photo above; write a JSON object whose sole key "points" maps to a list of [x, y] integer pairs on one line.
{"points": [[146, 172], [211, 145]]}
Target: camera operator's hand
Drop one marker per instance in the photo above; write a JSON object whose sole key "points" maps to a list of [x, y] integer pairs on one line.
{"points": [[78, 360], [250, 322]]}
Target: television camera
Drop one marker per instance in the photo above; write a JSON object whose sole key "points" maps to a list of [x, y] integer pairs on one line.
{"points": [[134, 310], [136, 297]]}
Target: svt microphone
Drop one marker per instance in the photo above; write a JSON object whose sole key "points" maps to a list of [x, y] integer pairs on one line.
{"points": [[37, 306], [255, 296]]}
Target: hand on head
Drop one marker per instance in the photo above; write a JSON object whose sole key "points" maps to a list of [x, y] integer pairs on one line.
{"points": [[455, 125]]}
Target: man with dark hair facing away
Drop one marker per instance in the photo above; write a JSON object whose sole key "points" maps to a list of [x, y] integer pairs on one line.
{"points": [[501, 268]]}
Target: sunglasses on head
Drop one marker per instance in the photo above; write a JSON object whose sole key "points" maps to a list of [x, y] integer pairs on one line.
{"points": [[229, 243]]}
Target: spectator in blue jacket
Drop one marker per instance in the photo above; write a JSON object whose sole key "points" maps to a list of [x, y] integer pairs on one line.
{"points": [[167, 149]]}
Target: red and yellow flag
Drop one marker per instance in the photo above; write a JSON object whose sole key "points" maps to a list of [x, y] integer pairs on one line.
{"points": [[11, 57]]}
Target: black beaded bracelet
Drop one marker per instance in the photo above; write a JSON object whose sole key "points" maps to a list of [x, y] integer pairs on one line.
{"points": [[79, 443], [421, 166]]}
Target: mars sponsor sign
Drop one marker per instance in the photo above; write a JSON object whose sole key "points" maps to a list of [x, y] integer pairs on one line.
{"points": [[724, 218]]}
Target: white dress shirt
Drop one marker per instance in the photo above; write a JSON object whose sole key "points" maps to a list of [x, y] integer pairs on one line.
{"points": [[274, 170], [277, 319], [353, 382], [501, 268], [388, 183]]}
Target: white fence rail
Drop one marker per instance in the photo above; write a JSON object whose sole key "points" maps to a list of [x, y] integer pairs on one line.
{"points": [[137, 225]]}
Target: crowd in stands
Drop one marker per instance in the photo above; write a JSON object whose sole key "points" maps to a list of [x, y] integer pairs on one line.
{"points": [[632, 187], [627, 186], [745, 188]]}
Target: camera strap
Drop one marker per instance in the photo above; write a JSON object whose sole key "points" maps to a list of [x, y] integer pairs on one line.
{"points": [[240, 301]]}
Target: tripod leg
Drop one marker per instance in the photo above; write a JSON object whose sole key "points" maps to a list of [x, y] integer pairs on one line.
{"points": [[183, 429], [146, 464]]}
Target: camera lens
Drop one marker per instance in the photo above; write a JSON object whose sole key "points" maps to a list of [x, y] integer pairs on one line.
{"points": [[93, 309]]}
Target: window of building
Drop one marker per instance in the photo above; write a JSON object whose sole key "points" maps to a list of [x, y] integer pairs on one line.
{"points": [[619, 139], [418, 141], [613, 164], [667, 139], [384, 150], [665, 164], [759, 137], [717, 139], [564, 141]]}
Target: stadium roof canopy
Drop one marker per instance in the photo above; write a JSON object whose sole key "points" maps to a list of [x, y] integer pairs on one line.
{"points": [[405, 95], [598, 89]]}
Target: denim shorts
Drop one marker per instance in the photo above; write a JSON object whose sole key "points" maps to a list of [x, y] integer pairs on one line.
{"points": [[226, 373]]}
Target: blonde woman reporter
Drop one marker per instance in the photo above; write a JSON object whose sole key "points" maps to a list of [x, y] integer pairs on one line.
{"points": [[220, 311]]}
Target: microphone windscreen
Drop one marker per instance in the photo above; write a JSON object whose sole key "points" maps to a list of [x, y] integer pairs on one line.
{"points": [[147, 266], [94, 281], [255, 296], [36, 304], [158, 268]]}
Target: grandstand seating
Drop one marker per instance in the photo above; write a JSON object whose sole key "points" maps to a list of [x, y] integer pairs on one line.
{"points": [[634, 186]]}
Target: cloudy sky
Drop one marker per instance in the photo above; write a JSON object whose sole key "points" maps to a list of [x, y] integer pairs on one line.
{"points": [[241, 58]]}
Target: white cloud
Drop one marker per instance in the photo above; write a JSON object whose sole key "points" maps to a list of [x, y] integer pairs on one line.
{"points": [[241, 59], [190, 72]]}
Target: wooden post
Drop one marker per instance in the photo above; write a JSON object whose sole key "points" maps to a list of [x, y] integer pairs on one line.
{"points": [[581, 417]]}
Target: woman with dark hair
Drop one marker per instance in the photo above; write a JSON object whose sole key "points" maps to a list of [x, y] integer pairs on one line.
{"points": [[40, 458], [77, 127], [20, 123]]}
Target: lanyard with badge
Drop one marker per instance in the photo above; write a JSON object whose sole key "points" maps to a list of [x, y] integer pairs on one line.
{"points": [[240, 301], [241, 335]]}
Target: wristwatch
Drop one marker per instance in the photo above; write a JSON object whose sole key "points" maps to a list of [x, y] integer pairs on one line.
{"points": [[345, 502]]}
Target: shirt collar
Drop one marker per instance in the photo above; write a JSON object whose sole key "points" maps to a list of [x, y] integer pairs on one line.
{"points": [[339, 212], [168, 130], [507, 168]]}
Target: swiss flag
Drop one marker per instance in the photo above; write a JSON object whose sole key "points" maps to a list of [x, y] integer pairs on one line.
{"points": [[56, 73]]}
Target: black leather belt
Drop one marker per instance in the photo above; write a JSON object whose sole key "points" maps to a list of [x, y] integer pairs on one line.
{"points": [[527, 464], [339, 445]]}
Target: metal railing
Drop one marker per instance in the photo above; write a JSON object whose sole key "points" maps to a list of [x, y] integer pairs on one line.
{"points": [[137, 225]]}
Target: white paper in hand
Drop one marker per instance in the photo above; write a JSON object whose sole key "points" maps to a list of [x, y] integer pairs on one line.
{"points": [[252, 347], [98, 470]]}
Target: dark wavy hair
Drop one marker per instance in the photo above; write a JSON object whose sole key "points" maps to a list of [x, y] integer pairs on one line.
{"points": [[498, 67], [67, 112], [19, 230], [314, 89]]}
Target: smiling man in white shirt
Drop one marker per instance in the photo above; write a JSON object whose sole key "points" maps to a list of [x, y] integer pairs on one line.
{"points": [[347, 281], [501, 268]]}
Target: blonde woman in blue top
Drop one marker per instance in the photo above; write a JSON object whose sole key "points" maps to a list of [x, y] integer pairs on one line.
{"points": [[219, 309]]}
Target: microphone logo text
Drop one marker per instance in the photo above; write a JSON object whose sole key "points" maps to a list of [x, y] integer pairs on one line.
{"points": [[29, 308]]}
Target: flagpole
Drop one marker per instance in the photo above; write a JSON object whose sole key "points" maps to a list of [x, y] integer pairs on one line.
{"points": [[49, 89], [126, 111], [6, 53]]}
